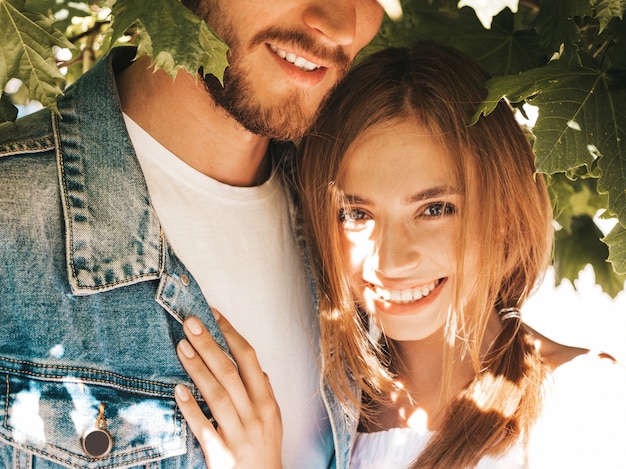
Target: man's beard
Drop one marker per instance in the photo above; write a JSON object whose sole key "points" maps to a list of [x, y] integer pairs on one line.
{"points": [[285, 120]]}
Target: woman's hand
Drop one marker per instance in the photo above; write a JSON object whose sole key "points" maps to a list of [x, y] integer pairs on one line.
{"points": [[249, 428]]}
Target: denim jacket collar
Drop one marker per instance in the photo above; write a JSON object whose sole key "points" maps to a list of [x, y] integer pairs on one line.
{"points": [[113, 237]]}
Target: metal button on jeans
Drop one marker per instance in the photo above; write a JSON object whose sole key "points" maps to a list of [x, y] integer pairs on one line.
{"points": [[97, 441], [185, 279]]}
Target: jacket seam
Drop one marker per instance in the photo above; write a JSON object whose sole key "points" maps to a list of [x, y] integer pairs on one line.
{"points": [[111, 464], [47, 146], [112, 376]]}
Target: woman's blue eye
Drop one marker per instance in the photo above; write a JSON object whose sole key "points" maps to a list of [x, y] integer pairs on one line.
{"points": [[347, 215], [439, 209]]}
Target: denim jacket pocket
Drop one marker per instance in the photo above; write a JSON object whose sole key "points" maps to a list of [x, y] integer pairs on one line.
{"points": [[46, 411]]}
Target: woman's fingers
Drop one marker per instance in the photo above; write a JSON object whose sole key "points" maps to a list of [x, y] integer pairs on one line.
{"points": [[254, 379], [204, 365], [217, 455], [222, 369], [239, 397]]}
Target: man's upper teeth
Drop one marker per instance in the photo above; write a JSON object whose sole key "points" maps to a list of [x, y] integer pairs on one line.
{"points": [[298, 61], [405, 296]]}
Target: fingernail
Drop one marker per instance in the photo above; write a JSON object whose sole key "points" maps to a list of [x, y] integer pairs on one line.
{"points": [[186, 349], [194, 325], [216, 314], [182, 392]]}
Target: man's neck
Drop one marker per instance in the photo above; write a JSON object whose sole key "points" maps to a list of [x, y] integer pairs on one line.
{"points": [[183, 117]]}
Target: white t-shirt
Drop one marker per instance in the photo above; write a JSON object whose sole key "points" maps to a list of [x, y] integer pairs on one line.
{"points": [[583, 426], [239, 245]]}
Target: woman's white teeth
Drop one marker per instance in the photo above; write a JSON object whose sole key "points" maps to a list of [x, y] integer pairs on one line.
{"points": [[405, 296], [299, 62]]}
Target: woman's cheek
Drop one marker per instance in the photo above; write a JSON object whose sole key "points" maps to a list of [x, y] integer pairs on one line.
{"points": [[358, 248]]}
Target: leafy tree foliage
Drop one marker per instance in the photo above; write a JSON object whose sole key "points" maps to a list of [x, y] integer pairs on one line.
{"points": [[33, 31], [566, 57]]}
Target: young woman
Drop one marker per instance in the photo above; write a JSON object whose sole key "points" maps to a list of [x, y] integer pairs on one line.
{"points": [[429, 235]]}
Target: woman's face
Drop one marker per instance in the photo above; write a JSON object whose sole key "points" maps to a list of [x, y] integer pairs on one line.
{"points": [[400, 228]]}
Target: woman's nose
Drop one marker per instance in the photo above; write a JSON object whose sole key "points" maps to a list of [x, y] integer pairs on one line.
{"points": [[397, 250]]}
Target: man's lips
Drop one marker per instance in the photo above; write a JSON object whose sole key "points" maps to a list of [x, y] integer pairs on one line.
{"points": [[300, 62]]}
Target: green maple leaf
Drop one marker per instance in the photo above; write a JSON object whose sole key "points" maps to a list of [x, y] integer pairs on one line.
{"points": [[578, 242], [556, 28], [172, 35], [573, 197], [612, 146], [616, 240], [606, 10], [560, 91], [8, 112], [580, 121], [512, 51], [26, 51], [581, 246], [504, 49], [61, 11]]}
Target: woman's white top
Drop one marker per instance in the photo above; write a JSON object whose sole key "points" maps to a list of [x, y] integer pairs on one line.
{"points": [[583, 425]]}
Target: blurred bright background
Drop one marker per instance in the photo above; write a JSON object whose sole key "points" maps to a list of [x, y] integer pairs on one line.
{"points": [[584, 316]]}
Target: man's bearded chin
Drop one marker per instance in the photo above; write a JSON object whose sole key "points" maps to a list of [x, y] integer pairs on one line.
{"points": [[285, 120]]}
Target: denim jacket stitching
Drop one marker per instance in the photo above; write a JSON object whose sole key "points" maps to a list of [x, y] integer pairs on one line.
{"points": [[114, 463], [6, 401], [177, 435], [41, 145], [115, 380]]}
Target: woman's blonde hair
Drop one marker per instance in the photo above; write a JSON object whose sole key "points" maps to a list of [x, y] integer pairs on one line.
{"points": [[441, 88]]}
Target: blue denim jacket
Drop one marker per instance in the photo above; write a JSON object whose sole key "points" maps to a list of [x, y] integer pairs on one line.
{"points": [[91, 297]]}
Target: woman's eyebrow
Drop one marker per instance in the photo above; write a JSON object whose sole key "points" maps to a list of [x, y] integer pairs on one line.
{"points": [[430, 193], [355, 199]]}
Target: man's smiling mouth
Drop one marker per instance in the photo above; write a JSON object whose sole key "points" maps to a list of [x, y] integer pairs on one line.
{"points": [[300, 62]]}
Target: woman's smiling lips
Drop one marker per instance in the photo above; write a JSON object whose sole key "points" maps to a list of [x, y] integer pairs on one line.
{"points": [[406, 295]]}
